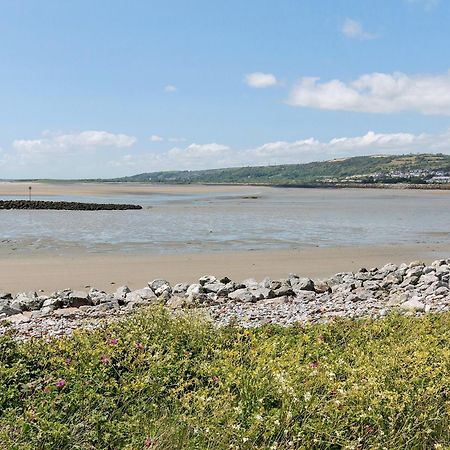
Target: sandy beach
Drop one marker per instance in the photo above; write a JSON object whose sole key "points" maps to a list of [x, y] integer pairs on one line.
{"points": [[27, 263], [49, 272]]}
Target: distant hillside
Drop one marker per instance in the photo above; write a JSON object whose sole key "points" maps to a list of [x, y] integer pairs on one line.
{"points": [[421, 168]]}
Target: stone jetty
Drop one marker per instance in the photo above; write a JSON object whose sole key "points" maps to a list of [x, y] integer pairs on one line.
{"points": [[413, 289], [72, 206]]}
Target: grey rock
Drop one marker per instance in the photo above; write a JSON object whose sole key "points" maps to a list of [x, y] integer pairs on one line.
{"points": [[26, 302], [79, 298], [302, 284], [207, 279], [122, 292], [180, 288], [244, 295], [159, 286], [414, 304], [5, 295]]}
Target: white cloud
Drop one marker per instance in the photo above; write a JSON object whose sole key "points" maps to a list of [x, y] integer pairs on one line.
{"points": [[377, 93], [170, 88], [207, 156], [260, 80], [156, 138], [64, 143], [354, 30]]}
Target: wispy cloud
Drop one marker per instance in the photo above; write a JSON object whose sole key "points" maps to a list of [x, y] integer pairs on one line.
{"points": [[197, 156], [260, 80], [170, 88], [376, 93], [156, 138], [73, 142], [353, 29]]}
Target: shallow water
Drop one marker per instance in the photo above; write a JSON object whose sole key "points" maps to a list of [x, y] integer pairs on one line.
{"points": [[277, 218]]}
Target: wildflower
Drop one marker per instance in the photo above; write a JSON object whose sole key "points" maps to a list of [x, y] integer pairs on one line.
{"points": [[314, 365], [148, 442], [258, 417], [139, 345], [61, 383], [68, 361], [104, 359], [215, 379], [370, 429], [245, 439], [113, 341], [307, 396]]}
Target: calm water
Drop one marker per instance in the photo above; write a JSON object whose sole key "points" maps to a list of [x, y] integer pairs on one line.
{"points": [[277, 218]]}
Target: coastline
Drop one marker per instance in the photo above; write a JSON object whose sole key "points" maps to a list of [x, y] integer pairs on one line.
{"points": [[48, 271]]}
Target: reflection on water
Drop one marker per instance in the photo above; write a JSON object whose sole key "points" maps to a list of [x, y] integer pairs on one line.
{"points": [[257, 218]]}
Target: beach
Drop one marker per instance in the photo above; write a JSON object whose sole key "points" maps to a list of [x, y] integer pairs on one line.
{"points": [[50, 272], [186, 231]]}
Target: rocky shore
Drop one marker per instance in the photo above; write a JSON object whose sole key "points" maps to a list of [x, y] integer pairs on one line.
{"points": [[71, 206], [413, 288]]}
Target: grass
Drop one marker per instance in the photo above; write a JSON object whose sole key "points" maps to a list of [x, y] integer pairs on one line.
{"points": [[154, 381]]}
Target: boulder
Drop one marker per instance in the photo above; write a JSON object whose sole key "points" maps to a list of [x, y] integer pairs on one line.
{"points": [[414, 304], [180, 288], [159, 286], [122, 292], [79, 298], [302, 284], [5, 295], [26, 302], [244, 295]]}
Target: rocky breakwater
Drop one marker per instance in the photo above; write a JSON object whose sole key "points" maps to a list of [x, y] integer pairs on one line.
{"points": [[70, 206], [413, 288]]}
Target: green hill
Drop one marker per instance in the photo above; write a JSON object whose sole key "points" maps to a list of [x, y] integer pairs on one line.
{"points": [[367, 169]]}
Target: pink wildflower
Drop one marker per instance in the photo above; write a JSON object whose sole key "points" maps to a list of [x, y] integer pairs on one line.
{"points": [[148, 442], [105, 359], [68, 361], [113, 341], [314, 365], [61, 383], [139, 345]]}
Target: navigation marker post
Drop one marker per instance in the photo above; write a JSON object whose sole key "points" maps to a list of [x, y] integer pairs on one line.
{"points": [[29, 193]]}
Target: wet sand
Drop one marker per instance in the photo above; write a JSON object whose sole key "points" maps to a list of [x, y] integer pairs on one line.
{"points": [[89, 189], [50, 272]]}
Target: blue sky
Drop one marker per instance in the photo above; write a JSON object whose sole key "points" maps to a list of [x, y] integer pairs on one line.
{"points": [[107, 88]]}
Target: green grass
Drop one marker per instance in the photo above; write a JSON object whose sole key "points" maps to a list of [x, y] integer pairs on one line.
{"points": [[158, 382]]}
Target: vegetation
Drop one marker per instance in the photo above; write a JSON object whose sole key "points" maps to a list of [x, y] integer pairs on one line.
{"points": [[159, 382], [310, 173]]}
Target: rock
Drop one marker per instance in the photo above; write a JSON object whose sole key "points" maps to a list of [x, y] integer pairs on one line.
{"points": [[250, 283], [79, 298], [6, 311], [225, 280], [321, 286], [194, 291], [244, 295], [213, 287], [144, 295], [176, 302], [180, 288], [302, 284], [160, 286], [26, 302], [97, 296], [262, 293], [414, 304], [122, 292], [388, 268], [5, 295], [284, 290], [106, 306]]}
